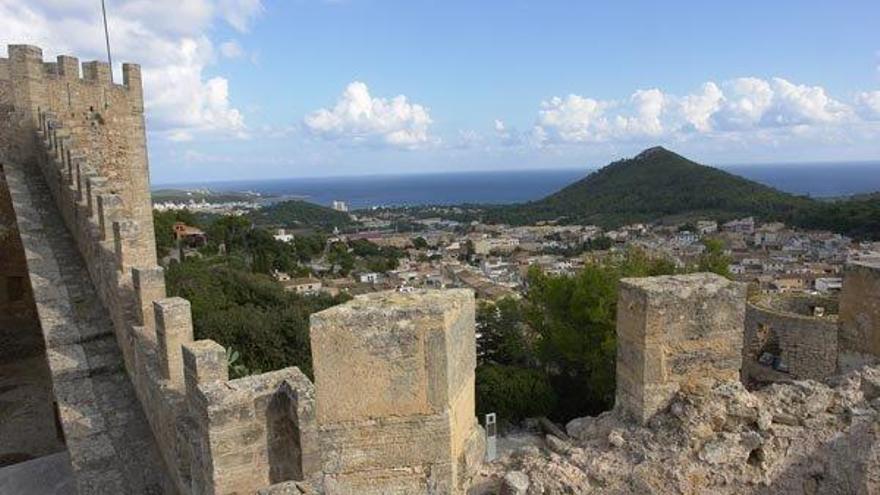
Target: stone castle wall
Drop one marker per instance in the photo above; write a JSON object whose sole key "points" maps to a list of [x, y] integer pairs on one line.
{"points": [[860, 313], [675, 333], [105, 119], [806, 345], [15, 296], [394, 374], [216, 435]]}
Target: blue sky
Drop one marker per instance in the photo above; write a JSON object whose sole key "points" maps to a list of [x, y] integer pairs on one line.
{"points": [[285, 88]]}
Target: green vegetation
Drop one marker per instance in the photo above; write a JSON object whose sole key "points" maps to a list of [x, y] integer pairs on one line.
{"points": [[249, 313], [296, 213], [234, 300], [362, 255], [713, 259], [553, 352], [163, 224], [857, 217], [420, 243], [661, 186], [656, 185], [600, 243]]}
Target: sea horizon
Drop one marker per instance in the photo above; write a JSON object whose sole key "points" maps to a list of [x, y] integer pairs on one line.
{"points": [[815, 179]]}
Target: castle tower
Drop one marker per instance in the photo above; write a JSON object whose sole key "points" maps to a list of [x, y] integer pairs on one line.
{"points": [[103, 119]]}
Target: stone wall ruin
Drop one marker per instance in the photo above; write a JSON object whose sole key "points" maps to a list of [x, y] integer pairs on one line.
{"points": [[786, 338]]}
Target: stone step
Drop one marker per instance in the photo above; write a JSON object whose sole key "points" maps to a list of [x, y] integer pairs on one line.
{"points": [[109, 441]]}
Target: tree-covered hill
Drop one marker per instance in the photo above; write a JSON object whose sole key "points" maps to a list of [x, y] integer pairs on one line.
{"points": [[297, 213], [655, 185], [857, 217], [658, 185]]}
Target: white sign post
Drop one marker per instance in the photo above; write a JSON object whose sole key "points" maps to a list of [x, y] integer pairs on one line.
{"points": [[491, 438]]}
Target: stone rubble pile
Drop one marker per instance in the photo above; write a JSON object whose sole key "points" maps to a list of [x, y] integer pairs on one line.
{"points": [[797, 437]]}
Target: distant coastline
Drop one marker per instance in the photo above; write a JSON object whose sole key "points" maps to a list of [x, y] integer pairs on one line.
{"points": [[513, 186]]}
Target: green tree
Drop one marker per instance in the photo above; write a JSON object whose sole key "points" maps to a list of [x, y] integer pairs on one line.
{"points": [[502, 333], [574, 319], [248, 312], [467, 252], [420, 243], [339, 257], [231, 230], [309, 246], [163, 225], [513, 392], [713, 258]]}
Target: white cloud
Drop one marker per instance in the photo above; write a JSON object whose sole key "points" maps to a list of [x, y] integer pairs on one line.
{"points": [[574, 119], [231, 49], [468, 139], [697, 109], [648, 106], [507, 136], [739, 109], [745, 103], [798, 104], [169, 38], [358, 117], [869, 104], [240, 13]]}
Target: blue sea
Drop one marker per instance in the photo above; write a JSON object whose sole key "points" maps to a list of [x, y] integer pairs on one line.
{"points": [[501, 187]]}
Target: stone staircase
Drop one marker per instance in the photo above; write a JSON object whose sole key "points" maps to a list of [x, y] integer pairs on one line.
{"points": [[110, 444]]}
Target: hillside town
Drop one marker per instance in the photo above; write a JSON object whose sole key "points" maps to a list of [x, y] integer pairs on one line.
{"points": [[494, 260]]}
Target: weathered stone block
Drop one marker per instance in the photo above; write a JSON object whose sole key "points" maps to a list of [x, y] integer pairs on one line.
{"points": [[256, 430], [149, 286], [674, 332], [392, 354], [94, 186], [860, 309], [126, 234], [110, 210], [204, 361], [96, 71], [394, 377], [68, 67], [173, 329]]}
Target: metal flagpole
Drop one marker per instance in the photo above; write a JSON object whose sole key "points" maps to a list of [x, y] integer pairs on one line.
{"points": [[107, 39]]}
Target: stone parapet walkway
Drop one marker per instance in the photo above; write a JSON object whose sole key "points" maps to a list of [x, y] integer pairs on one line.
{"points": [[110, 444]]}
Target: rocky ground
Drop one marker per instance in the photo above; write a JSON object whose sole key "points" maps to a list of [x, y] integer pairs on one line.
{"points": [[800, 437]]}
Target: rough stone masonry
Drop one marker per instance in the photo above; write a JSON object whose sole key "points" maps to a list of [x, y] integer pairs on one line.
{"points": [[673, 333], [394, 374], [393, 410]]}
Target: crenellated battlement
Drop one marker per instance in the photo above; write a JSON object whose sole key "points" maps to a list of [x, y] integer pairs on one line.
{"points": [[84, 136], [183, 384], [68, 68]]}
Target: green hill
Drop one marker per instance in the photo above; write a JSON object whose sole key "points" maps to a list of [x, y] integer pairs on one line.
{"points": [[857, 217], [297, 214], [655, 185]]}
